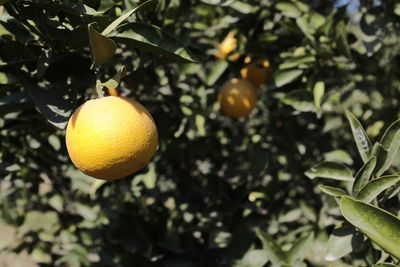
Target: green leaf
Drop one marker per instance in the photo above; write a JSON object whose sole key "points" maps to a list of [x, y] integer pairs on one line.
{"points": [[377, 186], [95, 186], [297, 62], [318, 91], [114, 81], [154, 39], [384, 265], [391, 142], [342, 241], [7, 235], [271, 248], [301, 100], [381, 155], [298, 252], [286, 76], [103, 48], [288, 8], [252, 258], [364, 145], [37, 221], [218, 2], [330, 170], [332, 191], [377, 224], [218, 69], [305, 28], [146, 5], [363, 175], [341, 39]]}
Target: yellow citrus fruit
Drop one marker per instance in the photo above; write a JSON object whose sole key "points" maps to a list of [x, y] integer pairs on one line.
{"points": [[237, 98], [227, 45], [257, 72], [111, 137]]}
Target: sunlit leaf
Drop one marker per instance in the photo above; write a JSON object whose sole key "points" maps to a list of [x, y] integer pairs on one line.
{"points": [[377, 224], [300, 248], [218, 69], [391, 142], [373, 188], [342, 241], [363, 175], [330, 170], [286, 76], [301, 100], [381, 154], [364, 145], [332, 191], [271, 248], [146, 5]]}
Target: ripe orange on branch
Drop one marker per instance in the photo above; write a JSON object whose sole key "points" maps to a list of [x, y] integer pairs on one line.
{"points": [[237, 98], [111, 137]]}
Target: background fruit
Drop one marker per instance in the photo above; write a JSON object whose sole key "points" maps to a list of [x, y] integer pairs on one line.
{"points": [[256, 72], [111, 137], [237, 98], [227, 45]]}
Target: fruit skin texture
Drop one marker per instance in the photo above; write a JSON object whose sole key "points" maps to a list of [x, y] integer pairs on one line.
{"points": [[257, 73], [111, 137], [237, 98], [227, 45]]}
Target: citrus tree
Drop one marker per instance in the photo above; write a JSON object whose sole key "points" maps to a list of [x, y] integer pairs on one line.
{"points": [[254, 107]]}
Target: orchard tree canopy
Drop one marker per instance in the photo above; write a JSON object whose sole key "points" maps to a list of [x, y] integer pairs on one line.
{"points": [[294, 162]]}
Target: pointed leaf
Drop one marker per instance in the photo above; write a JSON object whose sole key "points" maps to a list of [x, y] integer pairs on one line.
{"points": [[341, 39], [391, 142], [377, 186], [363, 143], [301, 100], [318, 91], [299, 249], [103, 48], [154, 39], [332, 191], [330, 170], [271, 248], [118, 21], [114, 81], [342, 241], [286, 76], [218, 69], [363, 175], [381, 155], [377, 224]]}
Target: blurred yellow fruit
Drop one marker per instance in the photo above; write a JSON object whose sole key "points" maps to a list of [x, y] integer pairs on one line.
{"points": [[237, 98], [111, 137], [226, 46], [257, 72]]}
